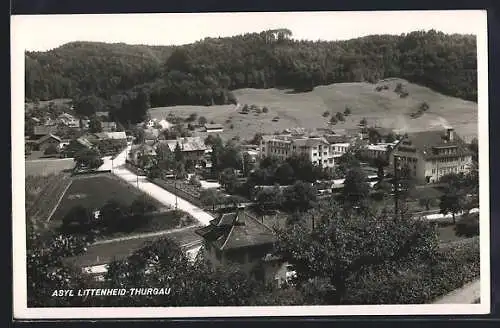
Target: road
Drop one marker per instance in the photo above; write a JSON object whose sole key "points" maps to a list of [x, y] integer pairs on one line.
{"points": [[468, 294], [153, 190], [142, 235]]}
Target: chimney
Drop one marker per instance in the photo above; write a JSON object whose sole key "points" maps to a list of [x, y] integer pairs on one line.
{"points": [[449, 134]]}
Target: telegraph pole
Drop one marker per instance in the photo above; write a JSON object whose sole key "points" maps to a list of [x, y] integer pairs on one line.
{"points": [[396, 186]]}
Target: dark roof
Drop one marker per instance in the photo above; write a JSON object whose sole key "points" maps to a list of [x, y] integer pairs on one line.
{"points": [[44, 130], [213, 126], [47, 137], [425, 141], [335, 138], [236, 230], [310, 142]]}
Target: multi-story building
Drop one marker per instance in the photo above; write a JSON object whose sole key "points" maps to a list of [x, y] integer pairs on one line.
{"points": [[432, 154], [68, 120], [317, 148], [192, 148]]}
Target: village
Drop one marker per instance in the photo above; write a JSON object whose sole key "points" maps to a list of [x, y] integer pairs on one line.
{"points": [[233, 193]]}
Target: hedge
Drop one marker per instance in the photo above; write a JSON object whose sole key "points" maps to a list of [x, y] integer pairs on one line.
{"points": [[417, 283]]}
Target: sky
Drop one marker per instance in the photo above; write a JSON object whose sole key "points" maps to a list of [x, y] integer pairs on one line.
{"points": [[45, 32]]}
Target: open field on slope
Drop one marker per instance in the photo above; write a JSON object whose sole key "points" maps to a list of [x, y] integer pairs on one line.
{"points": [[381, 108]]}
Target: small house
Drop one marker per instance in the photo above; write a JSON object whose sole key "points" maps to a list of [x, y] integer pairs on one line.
{"points": [[213, 128], [48, 141]]}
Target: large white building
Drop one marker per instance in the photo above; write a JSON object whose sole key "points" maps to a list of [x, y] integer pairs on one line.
{"points": [[317, 148]]}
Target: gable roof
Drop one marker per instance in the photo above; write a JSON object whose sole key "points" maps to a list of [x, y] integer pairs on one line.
{"points": [[111, 135], [235, 231], [214, 126], [84, 142], [186, 144], [47, 137], [425, 141]]}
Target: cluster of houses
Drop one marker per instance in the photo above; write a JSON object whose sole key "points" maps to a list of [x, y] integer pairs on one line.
{"points": [[46, 135]]}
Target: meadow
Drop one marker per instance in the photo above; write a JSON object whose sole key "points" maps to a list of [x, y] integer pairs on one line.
{"points": [[44, 167], [384, 108], [93, 192]]}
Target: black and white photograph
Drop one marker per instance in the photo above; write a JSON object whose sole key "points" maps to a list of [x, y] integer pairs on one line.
{"points": [[250, 164]]}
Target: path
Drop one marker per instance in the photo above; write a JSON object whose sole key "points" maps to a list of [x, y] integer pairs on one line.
{"points": [[142, 235], [153, 190], [468, 294]]}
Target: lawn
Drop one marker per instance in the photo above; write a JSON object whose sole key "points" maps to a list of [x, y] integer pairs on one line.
{"points": [[104, 253], [93, 192], [43, 167], [384, 109]]}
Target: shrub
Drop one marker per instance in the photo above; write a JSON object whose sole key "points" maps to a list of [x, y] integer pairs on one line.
{"points": [[340, 116], [326, 114], [347, 111], [51, 150], [468, 226], [231, 126], [265, 109], [424, 106], [333, 120]]}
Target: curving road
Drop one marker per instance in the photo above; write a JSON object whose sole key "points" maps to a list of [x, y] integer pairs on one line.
{"points": [[158, 193]]}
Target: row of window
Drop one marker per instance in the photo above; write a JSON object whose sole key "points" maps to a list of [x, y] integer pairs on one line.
{"points": [[449, 160], [446, 170]]}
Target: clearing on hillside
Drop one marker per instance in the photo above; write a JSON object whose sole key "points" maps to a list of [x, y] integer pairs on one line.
{"points": [[384, 108], [44, 167]]}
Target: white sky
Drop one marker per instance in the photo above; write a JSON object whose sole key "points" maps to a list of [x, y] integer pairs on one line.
{"points": [[44, 32]]}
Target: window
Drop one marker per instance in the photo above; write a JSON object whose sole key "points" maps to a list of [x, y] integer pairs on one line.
{"points": [[314, 154], [325, 161], [331, 160]]}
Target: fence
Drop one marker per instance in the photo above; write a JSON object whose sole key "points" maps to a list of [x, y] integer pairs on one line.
{"points": [[170, 186]]}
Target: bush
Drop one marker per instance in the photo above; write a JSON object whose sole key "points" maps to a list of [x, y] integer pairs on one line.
{"points": [[468, 226], [51, 150], [424, 106], [326, 114], [265, 109]]}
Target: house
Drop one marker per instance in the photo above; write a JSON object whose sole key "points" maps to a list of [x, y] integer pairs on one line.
{"points": [[192, 148], [239, 239], [47, 141], [77, 145], [431, 154], [379, 150], [41, 130], [108, 126], [213, 128], [68, 120], [316, 148], [138, 151]]}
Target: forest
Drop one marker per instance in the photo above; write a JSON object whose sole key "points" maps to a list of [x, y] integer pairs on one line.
{"points": [[205, 72]]}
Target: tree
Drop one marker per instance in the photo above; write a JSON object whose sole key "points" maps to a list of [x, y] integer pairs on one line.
{"points": [[89, 105], [47, 270], [343, 245], [178, 153], [78, 219], [111, 214], [194, 181], [285, 174], [340, 117], [374, 136], [333, 120], [452, 201], [265, 109], [228, 179], [140, 206], [356, 188], [268, 198], [363, 122], [210, 197], [390, 138], [326, 113], [192, 117], [347, 111], [89, 158], [51, 150], [95, 125], [202, 120], [301, 196]]}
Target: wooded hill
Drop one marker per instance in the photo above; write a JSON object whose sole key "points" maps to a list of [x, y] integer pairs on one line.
{"points": [[204, 72]]}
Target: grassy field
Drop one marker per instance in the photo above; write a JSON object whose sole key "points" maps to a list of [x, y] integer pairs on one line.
{"points": [[104, 253], [94, 191], [44, 167], [45, 103], [383, 109]]}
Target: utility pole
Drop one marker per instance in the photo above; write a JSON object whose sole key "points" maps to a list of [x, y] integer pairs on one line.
{"points": [[175, 189], [396, 185]]}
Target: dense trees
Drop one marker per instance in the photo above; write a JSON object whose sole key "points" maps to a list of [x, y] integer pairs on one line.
{"points": [[205, 71], [342, 247]]}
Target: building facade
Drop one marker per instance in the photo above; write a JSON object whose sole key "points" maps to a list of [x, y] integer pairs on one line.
{"points": [[238, 239], [316, 148], [429, 155]]}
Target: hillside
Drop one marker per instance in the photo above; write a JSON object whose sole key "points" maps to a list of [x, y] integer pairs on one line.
{"points": [[381, 108], [205, 72]]}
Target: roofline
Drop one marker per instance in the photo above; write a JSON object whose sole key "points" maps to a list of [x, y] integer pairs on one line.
{"points": [[228, 235]]}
